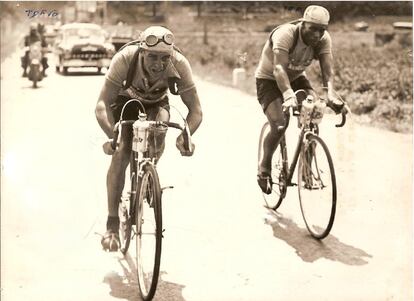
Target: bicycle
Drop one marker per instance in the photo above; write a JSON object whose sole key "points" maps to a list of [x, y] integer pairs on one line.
{"points": [[316, 175], [141, 212]]}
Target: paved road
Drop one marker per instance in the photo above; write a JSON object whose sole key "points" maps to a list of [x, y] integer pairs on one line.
{"points": [[220, 243]]}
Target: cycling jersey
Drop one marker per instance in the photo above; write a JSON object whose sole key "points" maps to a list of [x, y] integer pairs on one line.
{"points": [[299, 58], [141, 87]]}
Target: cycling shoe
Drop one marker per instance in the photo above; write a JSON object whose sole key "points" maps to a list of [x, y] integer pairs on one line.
{"points": [[110, 241], [265, 182]]}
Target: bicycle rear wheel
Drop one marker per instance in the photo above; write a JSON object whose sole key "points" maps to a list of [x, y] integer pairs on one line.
{"points": [[126, 213], [317, 187], [149, 231], [275, 198]]}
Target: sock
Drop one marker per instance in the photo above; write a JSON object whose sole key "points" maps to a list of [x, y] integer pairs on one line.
{"points": [[112, 223]]}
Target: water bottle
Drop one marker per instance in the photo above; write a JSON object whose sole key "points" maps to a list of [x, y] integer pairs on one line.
{"points": [[140, 127], [318, 112], [306, 111]]}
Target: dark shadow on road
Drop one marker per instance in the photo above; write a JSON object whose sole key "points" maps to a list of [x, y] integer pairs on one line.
{"points": [[310, 249], [31, 87], [169, 291], [126, 286], [120, 288]]}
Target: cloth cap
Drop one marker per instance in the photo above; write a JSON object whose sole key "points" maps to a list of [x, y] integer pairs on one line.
{"points": [[163, 34], [316, 14]]}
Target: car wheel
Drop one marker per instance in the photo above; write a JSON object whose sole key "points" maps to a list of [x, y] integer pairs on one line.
{"points": [[65, 70], [99, 70]]}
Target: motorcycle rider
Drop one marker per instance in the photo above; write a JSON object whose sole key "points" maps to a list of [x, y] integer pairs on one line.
{"points": [[30, 39]]}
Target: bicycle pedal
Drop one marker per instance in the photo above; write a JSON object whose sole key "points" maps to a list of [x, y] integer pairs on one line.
{"points": [[293, 184]]}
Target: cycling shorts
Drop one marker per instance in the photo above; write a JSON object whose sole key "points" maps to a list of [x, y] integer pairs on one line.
{"points": [[131, 111], [268, 91]]}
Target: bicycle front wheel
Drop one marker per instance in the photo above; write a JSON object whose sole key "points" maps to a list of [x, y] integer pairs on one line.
{"points": [[149, 231], [317, 187], [275, 198]]}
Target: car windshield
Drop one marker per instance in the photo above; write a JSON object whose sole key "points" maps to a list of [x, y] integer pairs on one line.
{"points": [[84, 33]]}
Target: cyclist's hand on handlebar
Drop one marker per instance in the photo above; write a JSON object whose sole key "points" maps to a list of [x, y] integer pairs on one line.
{"points": [[289, 100], [180, 143], [289, 103], [107, 147], [336, 104]]}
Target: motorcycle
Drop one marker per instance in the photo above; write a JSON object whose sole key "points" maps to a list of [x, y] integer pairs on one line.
{"points": [[35, 63]]}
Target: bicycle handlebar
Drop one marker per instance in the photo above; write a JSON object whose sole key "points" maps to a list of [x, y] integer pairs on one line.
{"points": [[184, 129], [296, 112], [343, 121]]}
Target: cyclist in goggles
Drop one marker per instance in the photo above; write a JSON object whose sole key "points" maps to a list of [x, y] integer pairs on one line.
{"points": [[142, 71]]}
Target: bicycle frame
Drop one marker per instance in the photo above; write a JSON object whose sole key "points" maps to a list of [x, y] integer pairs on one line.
{"points": [[291, 169], [143, 168], [305, 129]]}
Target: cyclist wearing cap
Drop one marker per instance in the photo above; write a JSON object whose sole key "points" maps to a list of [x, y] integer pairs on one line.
{"points": [[156, 62], [287, 53]]}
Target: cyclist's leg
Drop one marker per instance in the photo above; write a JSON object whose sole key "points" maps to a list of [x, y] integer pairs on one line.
{"points": [[116, 172], [160, 112], [44, 64], [25, 60], [271, 100], [116, 178]]}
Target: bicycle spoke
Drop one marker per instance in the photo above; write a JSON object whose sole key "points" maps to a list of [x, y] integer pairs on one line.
{"points": [[317, 187]]}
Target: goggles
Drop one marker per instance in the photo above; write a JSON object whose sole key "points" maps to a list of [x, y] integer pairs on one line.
{"points": [[152, 40]]}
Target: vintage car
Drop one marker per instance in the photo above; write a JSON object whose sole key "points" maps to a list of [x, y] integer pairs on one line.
{"points": [[82, 45]]}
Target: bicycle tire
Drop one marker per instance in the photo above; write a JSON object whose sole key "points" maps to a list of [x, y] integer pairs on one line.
{"points": [[317, 187], [125, 229], [279, 187], [149, 199]]}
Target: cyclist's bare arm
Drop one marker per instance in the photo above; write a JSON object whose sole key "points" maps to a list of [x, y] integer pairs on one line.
{"points": [[326, 63], [280, 63], [195, 115], [108, 95], [336, 104]]}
